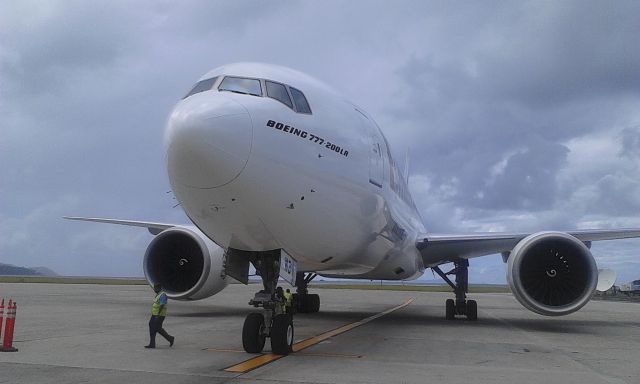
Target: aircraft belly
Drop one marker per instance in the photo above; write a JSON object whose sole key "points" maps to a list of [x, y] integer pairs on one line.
{"points": [[223, 215]]}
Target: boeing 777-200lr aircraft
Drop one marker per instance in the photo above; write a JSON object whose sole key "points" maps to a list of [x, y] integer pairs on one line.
{"points": [[278, 171]]}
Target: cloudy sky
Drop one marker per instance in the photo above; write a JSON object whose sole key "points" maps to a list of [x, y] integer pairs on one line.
{"points": [[518, 115]]}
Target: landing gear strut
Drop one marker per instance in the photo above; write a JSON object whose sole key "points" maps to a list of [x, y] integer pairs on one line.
{"points": [[272, 323], [303, 301], [461, 306]]}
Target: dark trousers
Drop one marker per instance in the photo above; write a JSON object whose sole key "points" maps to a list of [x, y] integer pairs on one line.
{"points": [[155, 326]]}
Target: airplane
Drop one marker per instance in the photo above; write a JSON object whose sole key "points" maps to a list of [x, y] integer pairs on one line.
{"points": [[277, 170]]}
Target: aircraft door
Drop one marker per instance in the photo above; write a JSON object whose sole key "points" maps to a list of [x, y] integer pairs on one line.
{"points": [[376, 163]]}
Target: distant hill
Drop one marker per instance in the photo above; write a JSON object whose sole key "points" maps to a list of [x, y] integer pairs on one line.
{"points": [[8, 269], [44, 271]]}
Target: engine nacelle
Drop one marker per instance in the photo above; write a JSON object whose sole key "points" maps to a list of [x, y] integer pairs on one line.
{"points": [[187, 264], [552, 273]]}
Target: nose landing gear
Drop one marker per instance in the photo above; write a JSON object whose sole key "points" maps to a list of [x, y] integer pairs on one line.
{"points": [[273, 322], [279, 329]]}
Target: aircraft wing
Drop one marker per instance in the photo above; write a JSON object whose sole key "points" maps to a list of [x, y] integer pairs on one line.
{"points": [[154, 228], [439, 248]]}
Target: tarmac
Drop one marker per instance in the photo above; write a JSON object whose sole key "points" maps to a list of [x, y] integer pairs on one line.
{"points": [[69, 333]]}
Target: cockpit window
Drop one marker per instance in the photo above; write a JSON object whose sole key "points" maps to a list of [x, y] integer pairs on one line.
{"points": [[241, 85], [279, 92], [201, 86], [302, 105]]}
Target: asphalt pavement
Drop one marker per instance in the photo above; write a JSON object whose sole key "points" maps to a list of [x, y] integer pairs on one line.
{"points": [[71, 333]]}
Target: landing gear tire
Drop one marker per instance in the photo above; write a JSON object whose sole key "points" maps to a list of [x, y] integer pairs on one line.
{"points": [[307, 303], [450, 309], [299, 303], [472, 310], [312, 303], [282, 334], [253, 336]]}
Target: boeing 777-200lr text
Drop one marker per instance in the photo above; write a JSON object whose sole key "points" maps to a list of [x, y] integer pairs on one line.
{"points": [[278, 171]]}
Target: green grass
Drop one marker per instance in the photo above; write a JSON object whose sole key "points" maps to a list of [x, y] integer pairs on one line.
{"points": [[142, 281], [74, 280], [413, 287]]}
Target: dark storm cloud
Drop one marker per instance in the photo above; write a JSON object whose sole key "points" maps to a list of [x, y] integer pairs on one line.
{"points": [[519, 116], [495, 113], [559, 52], [527, 180], [41, 47]]}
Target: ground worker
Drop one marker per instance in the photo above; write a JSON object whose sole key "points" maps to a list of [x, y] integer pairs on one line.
{"points": [[158, 313], [288, 300], [280, 301]]}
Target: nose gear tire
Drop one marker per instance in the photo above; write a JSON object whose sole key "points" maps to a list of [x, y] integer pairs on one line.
{"points": [[282, 334], [253, 337]]}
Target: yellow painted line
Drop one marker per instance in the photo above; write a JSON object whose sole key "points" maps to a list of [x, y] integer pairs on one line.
{"points": [[224, 350], [253, 363], [330, 354], [261, 360], [321, 354]]}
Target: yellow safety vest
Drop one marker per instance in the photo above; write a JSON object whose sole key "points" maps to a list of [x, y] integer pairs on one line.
{"points": [[288, 297], [155, 307]]}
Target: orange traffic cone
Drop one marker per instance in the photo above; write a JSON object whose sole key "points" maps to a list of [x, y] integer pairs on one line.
{"points": [[8, 328], [1, 317]]}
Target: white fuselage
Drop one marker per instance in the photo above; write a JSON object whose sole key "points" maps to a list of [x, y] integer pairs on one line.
{"points": [[255, 175]]}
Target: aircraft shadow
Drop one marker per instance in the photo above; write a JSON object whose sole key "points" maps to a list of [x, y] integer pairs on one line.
{"points": [[550, 325], [407, 317]]}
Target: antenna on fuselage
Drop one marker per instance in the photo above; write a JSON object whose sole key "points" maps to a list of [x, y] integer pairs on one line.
{"points": [[406, 167]]}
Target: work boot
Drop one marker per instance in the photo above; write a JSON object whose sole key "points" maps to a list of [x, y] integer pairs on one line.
{"points": [[171, 341]]}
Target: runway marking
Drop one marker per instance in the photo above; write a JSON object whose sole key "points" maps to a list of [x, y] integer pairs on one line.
{"points": [[321, 354], [261, 360], [330, 354], [224, 350]]}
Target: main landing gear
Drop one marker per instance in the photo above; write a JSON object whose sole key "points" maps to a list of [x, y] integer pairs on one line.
{"points": [[303, 301], [461, 306], [273, 322]]}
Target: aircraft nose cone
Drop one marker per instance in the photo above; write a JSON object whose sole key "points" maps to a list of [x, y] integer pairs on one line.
{"points": [[208, 141]]}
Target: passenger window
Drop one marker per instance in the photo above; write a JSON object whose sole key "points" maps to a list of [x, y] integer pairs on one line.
{"points": [[201, 86], [279, 92], [301, 102], [241, 85]]}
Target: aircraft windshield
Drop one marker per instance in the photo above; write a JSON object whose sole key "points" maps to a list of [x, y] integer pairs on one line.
{"points": [[302, 105], [201, 86], [279, 92], [241, 85]]}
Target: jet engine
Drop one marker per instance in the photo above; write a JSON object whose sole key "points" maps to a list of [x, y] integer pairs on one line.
{"points": [[552, 273], [186, 263]]}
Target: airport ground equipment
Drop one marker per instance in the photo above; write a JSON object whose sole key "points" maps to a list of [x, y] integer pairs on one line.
{"points": [[1, 316], [9, 328], [630, 288]]}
